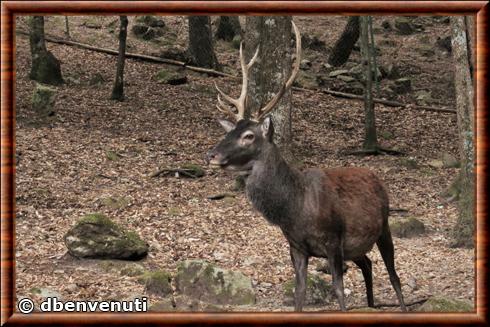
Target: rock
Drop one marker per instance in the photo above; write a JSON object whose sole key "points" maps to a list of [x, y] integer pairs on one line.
{"points": [[115, 203], [151, 21], [313, 43], [449, 161], [445, 43], [392, 71], [403, 26], [163, 305], [45, 292], [157, 282], [355, 87], [96, 79], [445, 304], [386, 25], [305, 64], [407, 227], [207, 282], [423, 97], [426, 50], [71, 288], [146, 32], [96, 236], [410, 163], [318, 291], [435, 163], [402, 85], [43, 100], [346, 78], [92, 24], [338, 72], [175, 54], [171, 77]]}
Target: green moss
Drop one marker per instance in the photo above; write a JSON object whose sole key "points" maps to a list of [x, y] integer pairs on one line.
{"points": [[441, 304], [35, 290], [157, 282], [409, 163], [173, 211], [115, 202], [97, 219], [387, 135], [236, 41], [111, 155], [196, 169]]}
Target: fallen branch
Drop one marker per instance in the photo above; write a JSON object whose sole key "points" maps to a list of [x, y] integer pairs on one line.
{"points": [[177, 171], [377, 151], [382, 305], [213, 72]]}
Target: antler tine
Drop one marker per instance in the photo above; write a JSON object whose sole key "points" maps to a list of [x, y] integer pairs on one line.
{"points": [[268, 107], [226, 96]]}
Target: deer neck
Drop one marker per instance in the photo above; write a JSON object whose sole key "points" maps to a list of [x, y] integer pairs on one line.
{"points": [[274, 188]]}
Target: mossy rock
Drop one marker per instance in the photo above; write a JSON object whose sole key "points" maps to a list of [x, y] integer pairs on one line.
{"points": [[46, 69], [150, 21], [403, 26], [202, 280], [165, 305], [171, 77], [115, 202], [444, 304], [111, 155], [96, 236], [146, 32], [43, 100], [96, 79], [449, 161], [410, 163], [406, 228], [157, 282], [318, 291]]}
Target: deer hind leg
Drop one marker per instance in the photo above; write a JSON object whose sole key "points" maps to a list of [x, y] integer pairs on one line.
{"points": [[336, 261], [367, 272], [385, 246], [300, 263]]}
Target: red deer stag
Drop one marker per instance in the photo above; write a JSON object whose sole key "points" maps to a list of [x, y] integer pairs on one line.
{"points": [[337, 214]]}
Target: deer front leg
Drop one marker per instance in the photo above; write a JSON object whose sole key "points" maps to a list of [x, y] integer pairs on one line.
{"points": [[300, 263]]}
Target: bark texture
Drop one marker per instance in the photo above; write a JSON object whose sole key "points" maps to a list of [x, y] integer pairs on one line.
{"points": [[463, 232], [118, 89], [45, 68], [344, 45], [272, 69], [201, 50], [228, 28], [370, 136]]}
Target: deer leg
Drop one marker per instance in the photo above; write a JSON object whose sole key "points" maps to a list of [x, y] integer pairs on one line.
{"points": [[385, 246], [367, 272], [335, 261], [300, 263]]}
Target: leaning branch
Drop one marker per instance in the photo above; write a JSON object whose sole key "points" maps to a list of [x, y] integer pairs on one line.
{"points": [[213, 72]]}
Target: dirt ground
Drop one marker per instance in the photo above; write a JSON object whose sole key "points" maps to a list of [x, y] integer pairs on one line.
{"points": [[65, 170]]}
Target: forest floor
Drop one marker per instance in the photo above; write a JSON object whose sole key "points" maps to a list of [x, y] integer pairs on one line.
{"points": [[96, 149]]}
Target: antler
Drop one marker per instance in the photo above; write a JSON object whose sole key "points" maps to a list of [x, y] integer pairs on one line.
{"points": [[285, 87], [239, 103]]}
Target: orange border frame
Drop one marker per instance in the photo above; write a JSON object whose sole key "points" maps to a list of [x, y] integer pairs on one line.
{"points": [[11, 8]]}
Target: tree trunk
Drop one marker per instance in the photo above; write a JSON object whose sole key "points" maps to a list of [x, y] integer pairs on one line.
{"points": [[228, 28], [370, 137], [201, 49], [118, 89], [463, 232], [344, 45], [45, 68], [67, 28], [272, 69]]}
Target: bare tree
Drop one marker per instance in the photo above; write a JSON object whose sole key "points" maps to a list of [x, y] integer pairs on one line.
{"points": [[272, 35], [344, 45], [45, 67], [201, 49], [463, 232], [118, 89], [67, 28]]}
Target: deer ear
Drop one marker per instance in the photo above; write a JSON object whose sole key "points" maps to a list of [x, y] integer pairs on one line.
{"points": [[227, 125], [267, 128]]}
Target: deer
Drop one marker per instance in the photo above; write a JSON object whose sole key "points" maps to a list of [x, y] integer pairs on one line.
{"points": [[335, 213]]}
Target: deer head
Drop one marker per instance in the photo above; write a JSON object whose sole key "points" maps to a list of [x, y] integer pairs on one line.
{"points": [[246, 138]]}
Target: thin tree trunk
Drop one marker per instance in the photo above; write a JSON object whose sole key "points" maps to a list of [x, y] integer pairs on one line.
{"points": [[201, 48], [344, 45], [273, 36], [118, 89], [67, 28], [370, 137], [463, 232]]}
